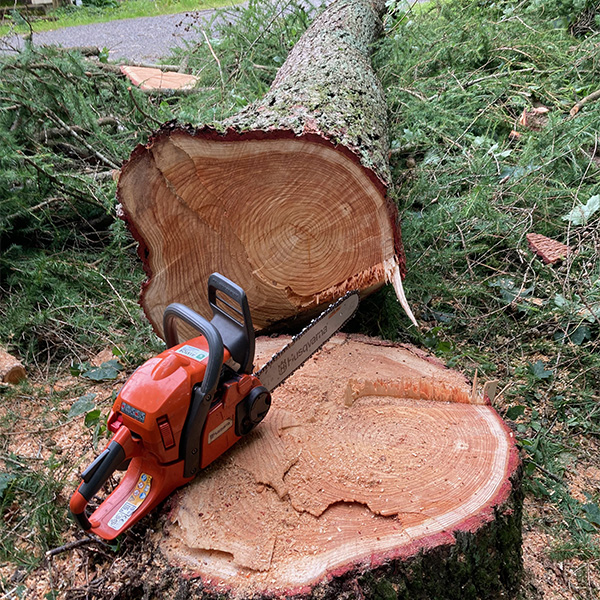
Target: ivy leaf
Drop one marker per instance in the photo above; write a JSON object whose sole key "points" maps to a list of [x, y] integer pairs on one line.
{"points": [[107, 370], [5, 481], [539, 371], [514, 412], [82, 405], [582, 213], [92, 417], [581, 334], [592, 513]]}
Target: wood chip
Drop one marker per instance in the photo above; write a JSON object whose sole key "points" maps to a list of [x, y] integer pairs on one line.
{"points": [[549, 250]]}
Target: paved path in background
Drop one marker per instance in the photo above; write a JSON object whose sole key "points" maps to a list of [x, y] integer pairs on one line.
{"points": [[144, 39]]}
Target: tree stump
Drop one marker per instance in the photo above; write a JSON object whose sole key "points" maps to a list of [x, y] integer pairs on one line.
{"points": [[286, 198], [378, 473]]}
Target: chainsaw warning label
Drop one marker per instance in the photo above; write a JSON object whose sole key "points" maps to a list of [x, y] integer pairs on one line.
{"points": [[134, 413], [142, 489], [192, 352]]}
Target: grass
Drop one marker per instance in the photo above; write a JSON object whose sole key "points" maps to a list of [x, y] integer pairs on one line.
{"points": [[110, 11], [469, 191]]}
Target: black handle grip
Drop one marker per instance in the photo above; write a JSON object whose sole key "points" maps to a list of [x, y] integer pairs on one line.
{"points": [[94, 477]]}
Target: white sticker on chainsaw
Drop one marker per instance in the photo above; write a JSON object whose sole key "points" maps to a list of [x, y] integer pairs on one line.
{"points": [[220, 430], [142, 489], [192, 352]]}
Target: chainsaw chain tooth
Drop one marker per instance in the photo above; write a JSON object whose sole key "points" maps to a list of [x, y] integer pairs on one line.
{"points": [[331, 308]]}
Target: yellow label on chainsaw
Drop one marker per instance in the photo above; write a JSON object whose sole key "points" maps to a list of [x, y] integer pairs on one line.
{"points": [[135, 500]]}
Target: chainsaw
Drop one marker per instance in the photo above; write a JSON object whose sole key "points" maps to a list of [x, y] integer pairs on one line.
{"points": [[182, 409]]}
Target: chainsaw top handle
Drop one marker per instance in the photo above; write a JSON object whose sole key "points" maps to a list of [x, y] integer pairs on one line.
{"points": [[211, 334]]}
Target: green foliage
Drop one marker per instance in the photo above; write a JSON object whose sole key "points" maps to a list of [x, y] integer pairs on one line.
{"points": [[28, 506], [101, 3], [458, 77], [239, 60], [65, 123]]}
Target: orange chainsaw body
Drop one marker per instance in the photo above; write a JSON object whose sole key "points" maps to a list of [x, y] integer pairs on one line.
{"points": [[176, 414]]}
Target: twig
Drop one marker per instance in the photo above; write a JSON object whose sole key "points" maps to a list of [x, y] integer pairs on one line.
{"points": [[34, 208], [112, 287], [216, 59], [143, 113], [414, 93], [264, 67], [55, 132], [75, 544], [494, 76], [58, 182], [68, 128], [9, 593], [108, 67], [548, 473], [83, 50], [589, 98], [174, 68]]}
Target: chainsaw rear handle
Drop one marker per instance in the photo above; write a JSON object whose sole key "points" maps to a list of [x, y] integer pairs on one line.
{"points": [[202, 395], [233, 321], [96, 475]]}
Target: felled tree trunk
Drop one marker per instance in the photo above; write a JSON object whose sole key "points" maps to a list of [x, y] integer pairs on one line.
{"points": [[378, 473], [287, 198]]}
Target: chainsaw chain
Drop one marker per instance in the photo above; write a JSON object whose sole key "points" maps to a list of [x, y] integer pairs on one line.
{"points": [[331, 308]]}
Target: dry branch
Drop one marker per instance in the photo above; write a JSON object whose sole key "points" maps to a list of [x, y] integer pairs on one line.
{"points": [[589, 98]]}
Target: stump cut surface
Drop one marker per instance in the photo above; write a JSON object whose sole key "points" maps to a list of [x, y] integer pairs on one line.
{"points": [[370, 452]]}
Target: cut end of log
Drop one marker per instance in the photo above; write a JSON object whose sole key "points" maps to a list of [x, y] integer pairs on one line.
{"points": [[152, 78], [11, 369], [372, 459], [296, 222], [287, 198]]}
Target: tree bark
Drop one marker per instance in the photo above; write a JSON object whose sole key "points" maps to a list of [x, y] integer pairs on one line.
{"points": [[378, 473], [287, 198]]}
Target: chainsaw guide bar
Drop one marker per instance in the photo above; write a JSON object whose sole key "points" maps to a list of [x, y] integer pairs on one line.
{"points": [[303, 345]]}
